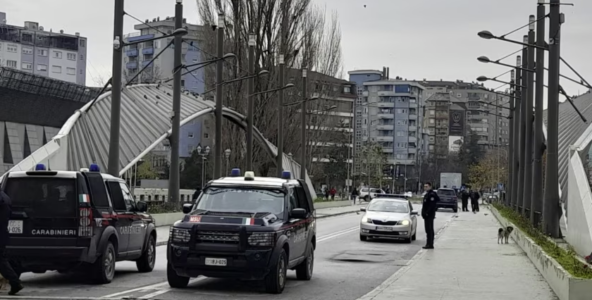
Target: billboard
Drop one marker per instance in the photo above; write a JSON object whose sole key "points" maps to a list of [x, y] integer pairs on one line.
{"points": [[456, 123], [454, 143]]}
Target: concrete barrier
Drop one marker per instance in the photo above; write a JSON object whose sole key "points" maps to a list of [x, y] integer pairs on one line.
{"points": [[170, 218], [565, 286]]}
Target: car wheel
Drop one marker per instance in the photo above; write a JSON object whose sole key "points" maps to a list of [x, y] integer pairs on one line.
{"points": [[304, 270], [146, 262], [366, 198], [104, 267], [275, 281], [363, 238], [414, 236], [176, 281], [455, 209]]}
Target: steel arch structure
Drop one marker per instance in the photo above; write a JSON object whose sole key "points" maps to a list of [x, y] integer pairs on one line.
{"points": [[145, 123]]}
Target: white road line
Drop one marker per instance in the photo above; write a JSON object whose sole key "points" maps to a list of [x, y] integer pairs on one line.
{"points": [[338, 234], [143, 288], [150, 296]]}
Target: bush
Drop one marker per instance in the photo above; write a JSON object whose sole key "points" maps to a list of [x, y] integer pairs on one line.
{"points": [[163, 207], [568, 259]]}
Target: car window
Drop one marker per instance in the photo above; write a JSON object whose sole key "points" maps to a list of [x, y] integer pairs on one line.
{"points": [[364, 190], [301, 197], [116, 195], [127, 197], [43, 197], [293, 203], [388, 206], [249, 200], [446, 192]]}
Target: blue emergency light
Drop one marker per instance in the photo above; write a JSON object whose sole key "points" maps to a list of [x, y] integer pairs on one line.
{"points": [[94, 168], [286, 175], [40, 167], [235, 172]]}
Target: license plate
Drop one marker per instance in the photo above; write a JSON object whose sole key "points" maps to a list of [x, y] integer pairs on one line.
{"points": [[384, 228], [220, 262], [15, 226]]}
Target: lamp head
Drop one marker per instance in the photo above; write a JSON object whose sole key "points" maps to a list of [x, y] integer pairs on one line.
{"points": [[207, 149], [289, 85], [229, 55], [525, 39], [531, 22], [485, 35], [518, 60], [482, 78], [483, 59], [220, 20], [180, 32], [263, 72], [198, 149], [252, 40], [512, 75]]}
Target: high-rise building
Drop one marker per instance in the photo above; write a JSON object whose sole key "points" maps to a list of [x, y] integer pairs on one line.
{"points": [[141, 55], [388, 113], [33, 49]]}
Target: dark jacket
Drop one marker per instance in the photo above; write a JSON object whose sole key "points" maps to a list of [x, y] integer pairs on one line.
{"points": [[430, 205], [5, 212], [475, 196]]}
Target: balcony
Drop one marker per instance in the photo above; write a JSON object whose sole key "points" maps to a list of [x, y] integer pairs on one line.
{"points": [[132, 65], [146, 62], [384, 138], [413, 105], [385, 104], [387, 150], [412, 150], [386, 116], [387, 93], [148, 51], [412, 128], [412, 139], [412, 117], [385, 127], [365, 93], [132, 52]]}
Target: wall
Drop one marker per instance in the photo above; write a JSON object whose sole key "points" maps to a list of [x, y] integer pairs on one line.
{"points": [[190, 137], [42, 60], [81, 61], [14, 56]]}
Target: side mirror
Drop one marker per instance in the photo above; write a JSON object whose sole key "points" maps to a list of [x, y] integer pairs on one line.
{"points": [[414, 213], [187, 208], [362, 209], [142, 206], [298, 213]]}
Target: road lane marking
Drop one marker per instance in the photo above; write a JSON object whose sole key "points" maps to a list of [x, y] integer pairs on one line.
{"points": [[157, 293], [340, 233]]}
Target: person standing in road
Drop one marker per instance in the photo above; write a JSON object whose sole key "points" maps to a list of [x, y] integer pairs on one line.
{"points": [[428, 213], [6, 269], [464, 195], [475, 201]]}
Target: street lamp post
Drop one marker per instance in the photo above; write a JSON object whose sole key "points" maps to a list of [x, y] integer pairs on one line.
{"points": [[280, 140], [537, 171], [203, 155], [528, 117], [251, 102], [516, 120], [219, 93], [303, 125], [522, 130], [227, 155]]}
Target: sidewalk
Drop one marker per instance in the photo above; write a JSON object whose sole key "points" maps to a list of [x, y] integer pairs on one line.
{"points": [[467, 264], [162, 232]]}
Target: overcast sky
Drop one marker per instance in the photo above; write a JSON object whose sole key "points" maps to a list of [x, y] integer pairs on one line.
{"points": [[432, 39]]}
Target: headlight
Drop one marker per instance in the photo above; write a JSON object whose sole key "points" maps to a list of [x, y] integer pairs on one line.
{"points": [[405, 222], [368, 220], [180, 235], [262, 239]]}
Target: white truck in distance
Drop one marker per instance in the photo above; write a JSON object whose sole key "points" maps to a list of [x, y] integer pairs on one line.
{"points": [[451, 180]]}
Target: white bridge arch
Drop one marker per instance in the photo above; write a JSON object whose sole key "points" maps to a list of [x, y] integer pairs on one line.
{"points": [[145, 123]]}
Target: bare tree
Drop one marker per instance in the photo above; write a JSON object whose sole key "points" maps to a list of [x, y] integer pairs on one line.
{"points": [[299, 31]]}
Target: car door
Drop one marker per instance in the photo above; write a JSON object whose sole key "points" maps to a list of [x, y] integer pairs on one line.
{"points": [[308, 223], [122, 219], [137, 232], [413, 217]]}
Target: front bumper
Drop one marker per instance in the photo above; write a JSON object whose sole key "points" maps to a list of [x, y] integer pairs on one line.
{"points": [[191, 261], [386, 231]]}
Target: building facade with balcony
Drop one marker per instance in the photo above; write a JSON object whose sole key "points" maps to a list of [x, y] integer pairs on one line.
{"points": [[140, 55], [33, 49], [388, 112]]}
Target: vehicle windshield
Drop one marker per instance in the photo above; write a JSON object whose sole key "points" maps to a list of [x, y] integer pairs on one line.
{"points": [[249, 200], [389, 206], [42, 197], [446, 192]]}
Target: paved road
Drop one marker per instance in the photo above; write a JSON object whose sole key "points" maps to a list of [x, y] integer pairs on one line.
{"points": [[345, 268]]}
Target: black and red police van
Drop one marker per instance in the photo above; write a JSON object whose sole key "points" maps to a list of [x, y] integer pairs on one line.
{"points": [[76, 221], [245, 227]]}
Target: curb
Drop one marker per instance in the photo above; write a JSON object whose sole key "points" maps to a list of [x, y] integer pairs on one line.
{"points": [[391, 280]]}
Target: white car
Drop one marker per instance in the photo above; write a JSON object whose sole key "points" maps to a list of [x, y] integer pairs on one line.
{"points": [[389, 218], [370, 193]]}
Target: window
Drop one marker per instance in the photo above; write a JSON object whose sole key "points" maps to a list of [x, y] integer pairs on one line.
{"points": [[249, 200], [81, 56], [190, 135], [80, 71], [11, 48], [432, 121], [11, 63], [26, 66], [127, 197], [432, 112], [42, 52], [27, 50], [56, 69], [42, 68], [50, 197], [82, 43], [206, 136], [71, 56], [57, 54], [71, 71], [117, 198]]}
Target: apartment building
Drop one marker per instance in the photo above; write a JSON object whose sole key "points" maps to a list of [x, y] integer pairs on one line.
{"points": [[388, 112], [140, 55], [483, 113], [33, 49], [445, 124]]}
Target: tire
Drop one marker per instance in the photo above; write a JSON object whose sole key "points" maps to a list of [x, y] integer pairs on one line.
{"points": [[408, 240], [104, 268], [455, 209], [363, 238], [366, 198], [414, 236], [275, 281], [176, 281], [304, 270], [146, 263]]}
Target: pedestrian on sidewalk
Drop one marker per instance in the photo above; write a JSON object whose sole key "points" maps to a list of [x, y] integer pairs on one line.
{"points": [[428, 213], [464, 195], [333, 192], [6, 269], [475, 201], [354, 194]]}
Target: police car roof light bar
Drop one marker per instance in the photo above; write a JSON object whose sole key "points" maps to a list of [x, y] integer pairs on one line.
{"points": [[286, 175], [235, 172], [40, 167], [249, 175], [94, 168]]}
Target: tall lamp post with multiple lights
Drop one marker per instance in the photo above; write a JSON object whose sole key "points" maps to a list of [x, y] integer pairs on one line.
{"points": [[204, 156]]}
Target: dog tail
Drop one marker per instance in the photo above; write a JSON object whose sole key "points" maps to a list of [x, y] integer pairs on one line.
{"points": [[499, 231]]}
